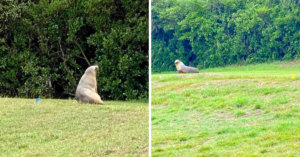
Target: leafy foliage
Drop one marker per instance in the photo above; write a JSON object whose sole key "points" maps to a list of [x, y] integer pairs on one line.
{"points": [[46, 46], [212, 33]]}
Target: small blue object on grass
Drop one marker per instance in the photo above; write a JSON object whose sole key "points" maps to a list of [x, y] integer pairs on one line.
{"points": [[37, 100]]}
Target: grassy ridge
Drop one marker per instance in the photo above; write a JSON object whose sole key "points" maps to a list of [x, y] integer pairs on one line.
{"points": [[65, 128], [227, 112]]}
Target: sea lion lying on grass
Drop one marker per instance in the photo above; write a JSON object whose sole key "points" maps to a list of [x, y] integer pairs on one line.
{"points": [[86, 91], [181, 68]]}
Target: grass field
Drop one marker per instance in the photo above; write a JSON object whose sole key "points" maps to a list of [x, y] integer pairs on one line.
{"points": [[66, 128], [234, 111]]}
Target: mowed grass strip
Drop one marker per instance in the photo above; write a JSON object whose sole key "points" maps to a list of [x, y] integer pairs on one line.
{"points": [[66, 128], [227, 112]]}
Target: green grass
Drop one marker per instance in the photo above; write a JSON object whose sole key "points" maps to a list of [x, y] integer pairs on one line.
{"points": [[66, 128], [228, 111]]}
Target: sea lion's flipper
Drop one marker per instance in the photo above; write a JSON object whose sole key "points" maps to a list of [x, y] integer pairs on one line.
{"points": [[89, 96], [180, 71]]}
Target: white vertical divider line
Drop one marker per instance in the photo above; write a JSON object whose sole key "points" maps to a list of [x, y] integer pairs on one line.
{"points": [[149, 57]]}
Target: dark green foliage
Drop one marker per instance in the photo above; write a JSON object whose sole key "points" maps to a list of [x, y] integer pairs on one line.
{"points": [[45, 47], [212, 33]]}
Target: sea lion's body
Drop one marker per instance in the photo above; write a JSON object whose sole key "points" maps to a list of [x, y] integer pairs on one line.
{"points": [[181, 68], [86, 91]]}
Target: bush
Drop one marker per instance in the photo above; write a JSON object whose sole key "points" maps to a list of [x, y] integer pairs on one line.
{"points": [[208, 34], [46, 47]]}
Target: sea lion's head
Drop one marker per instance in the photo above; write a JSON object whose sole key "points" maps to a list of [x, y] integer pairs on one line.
{"points": [[178, 64], [92, 70]]}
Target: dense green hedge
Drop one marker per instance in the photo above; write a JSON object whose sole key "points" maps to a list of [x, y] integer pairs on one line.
{"points": [[46, 45], [211, 33]]}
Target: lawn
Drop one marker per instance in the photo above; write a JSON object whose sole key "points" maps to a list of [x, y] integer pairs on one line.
{"points": [[249, 110], [66, 128]]}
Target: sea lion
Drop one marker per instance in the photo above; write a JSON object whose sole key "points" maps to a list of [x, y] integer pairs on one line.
{"points": [[86, 91], [181, 68]]}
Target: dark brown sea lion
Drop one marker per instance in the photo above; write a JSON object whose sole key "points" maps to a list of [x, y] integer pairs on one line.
{"points": [[181, 68], [86, 91]]}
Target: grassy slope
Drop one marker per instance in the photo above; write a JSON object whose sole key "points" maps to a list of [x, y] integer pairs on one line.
{"points": [[65, 128], [227, 112]]}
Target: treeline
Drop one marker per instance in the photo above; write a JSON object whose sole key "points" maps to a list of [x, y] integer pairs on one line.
{"points": [[212, 33], [46, 45]]}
